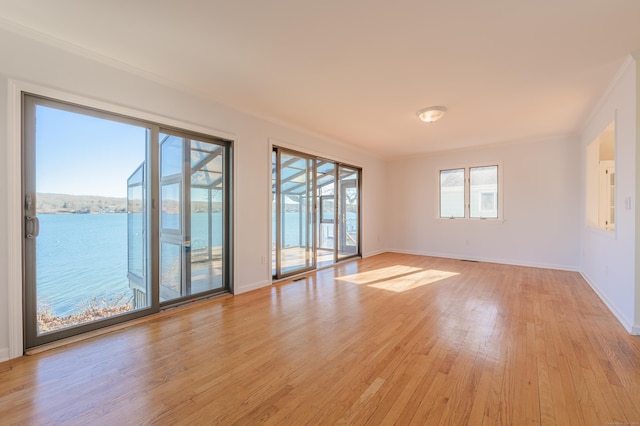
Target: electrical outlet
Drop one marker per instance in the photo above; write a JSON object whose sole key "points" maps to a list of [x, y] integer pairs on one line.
{"points": [[263, 259]]}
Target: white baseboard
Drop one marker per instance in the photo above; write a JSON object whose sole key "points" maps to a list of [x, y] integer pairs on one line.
{"points": [[635, 330], [4, 354], [626, 324], [490, 260], [374, 253], [239, 289]]}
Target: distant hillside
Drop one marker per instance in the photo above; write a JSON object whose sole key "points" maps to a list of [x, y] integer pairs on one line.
{"points": [[70, 204], [65, 203]]}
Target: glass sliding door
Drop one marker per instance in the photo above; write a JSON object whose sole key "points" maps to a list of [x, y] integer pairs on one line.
{"points": [[85, 245], [192, 200], [295, 213], [348, 212], [121, 218], [315, 212]]}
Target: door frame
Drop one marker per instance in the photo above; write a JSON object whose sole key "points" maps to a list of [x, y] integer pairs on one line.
{"points": [[278, 212], [276, 147], [28, 164], [342, 222]]}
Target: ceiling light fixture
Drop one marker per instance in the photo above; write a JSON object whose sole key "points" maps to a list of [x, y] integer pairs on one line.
{"points": [[431, 114]]}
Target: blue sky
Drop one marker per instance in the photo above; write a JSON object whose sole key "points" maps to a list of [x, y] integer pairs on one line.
{"points": [[82, 155]]}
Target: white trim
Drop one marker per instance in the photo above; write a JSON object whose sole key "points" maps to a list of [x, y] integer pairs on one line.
{"points": [[628, 61], [83, 52], [84, 101], [374, 253], [626, 324], [251, 286], [4, 354], [635, 330], [270, 230], [304, 150], [14, 221], [235, 184], [489, 260]]}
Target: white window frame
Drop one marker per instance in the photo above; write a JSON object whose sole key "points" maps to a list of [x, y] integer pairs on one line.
{"points": [[499, 193]]}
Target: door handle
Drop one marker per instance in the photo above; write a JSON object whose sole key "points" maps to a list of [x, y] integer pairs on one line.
{"points": [[32, 227]]}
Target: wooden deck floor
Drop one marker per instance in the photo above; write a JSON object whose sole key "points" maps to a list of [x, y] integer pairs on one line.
{"points": [[389, 339]]}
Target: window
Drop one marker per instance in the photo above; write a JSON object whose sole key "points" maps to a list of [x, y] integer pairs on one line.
{"points": [[470, 192], [452, 193]]}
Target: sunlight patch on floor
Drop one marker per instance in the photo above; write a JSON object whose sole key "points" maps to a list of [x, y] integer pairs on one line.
{"points": [[398, 278]]}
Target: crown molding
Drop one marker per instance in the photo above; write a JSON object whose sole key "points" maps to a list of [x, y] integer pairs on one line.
{"points": [[629, 61]]}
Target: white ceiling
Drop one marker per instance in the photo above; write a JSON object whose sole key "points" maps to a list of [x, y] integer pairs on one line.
{"points": [[358, 70]]}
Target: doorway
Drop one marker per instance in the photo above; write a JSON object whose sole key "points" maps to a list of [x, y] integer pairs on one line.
{"points": [[315, 212]]}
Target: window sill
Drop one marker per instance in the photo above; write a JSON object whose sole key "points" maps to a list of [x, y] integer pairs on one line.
{"points": [[469, 220]]}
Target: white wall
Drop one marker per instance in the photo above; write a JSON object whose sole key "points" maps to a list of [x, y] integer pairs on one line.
{"points": [[27, 60], [540, 206], [607, 259]]}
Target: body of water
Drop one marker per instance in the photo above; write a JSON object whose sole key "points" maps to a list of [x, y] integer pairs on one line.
{"points": [[85, 256], [78, 257]]}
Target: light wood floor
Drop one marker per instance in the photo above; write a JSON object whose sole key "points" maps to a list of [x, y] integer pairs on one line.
{"points": [[389, 339]]}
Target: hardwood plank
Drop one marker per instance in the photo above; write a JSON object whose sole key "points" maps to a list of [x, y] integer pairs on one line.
{"points": [[391, 339]]}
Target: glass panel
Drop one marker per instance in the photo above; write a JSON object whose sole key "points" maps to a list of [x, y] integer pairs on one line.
{"points": [[170, 271], [348, 212], [192, 232], [89, 192], [452, 193], [296, 205], [483, 192], [207, 217], [136, 236], [170, 217], [170, 155], [328, 209], [326, 184]]}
